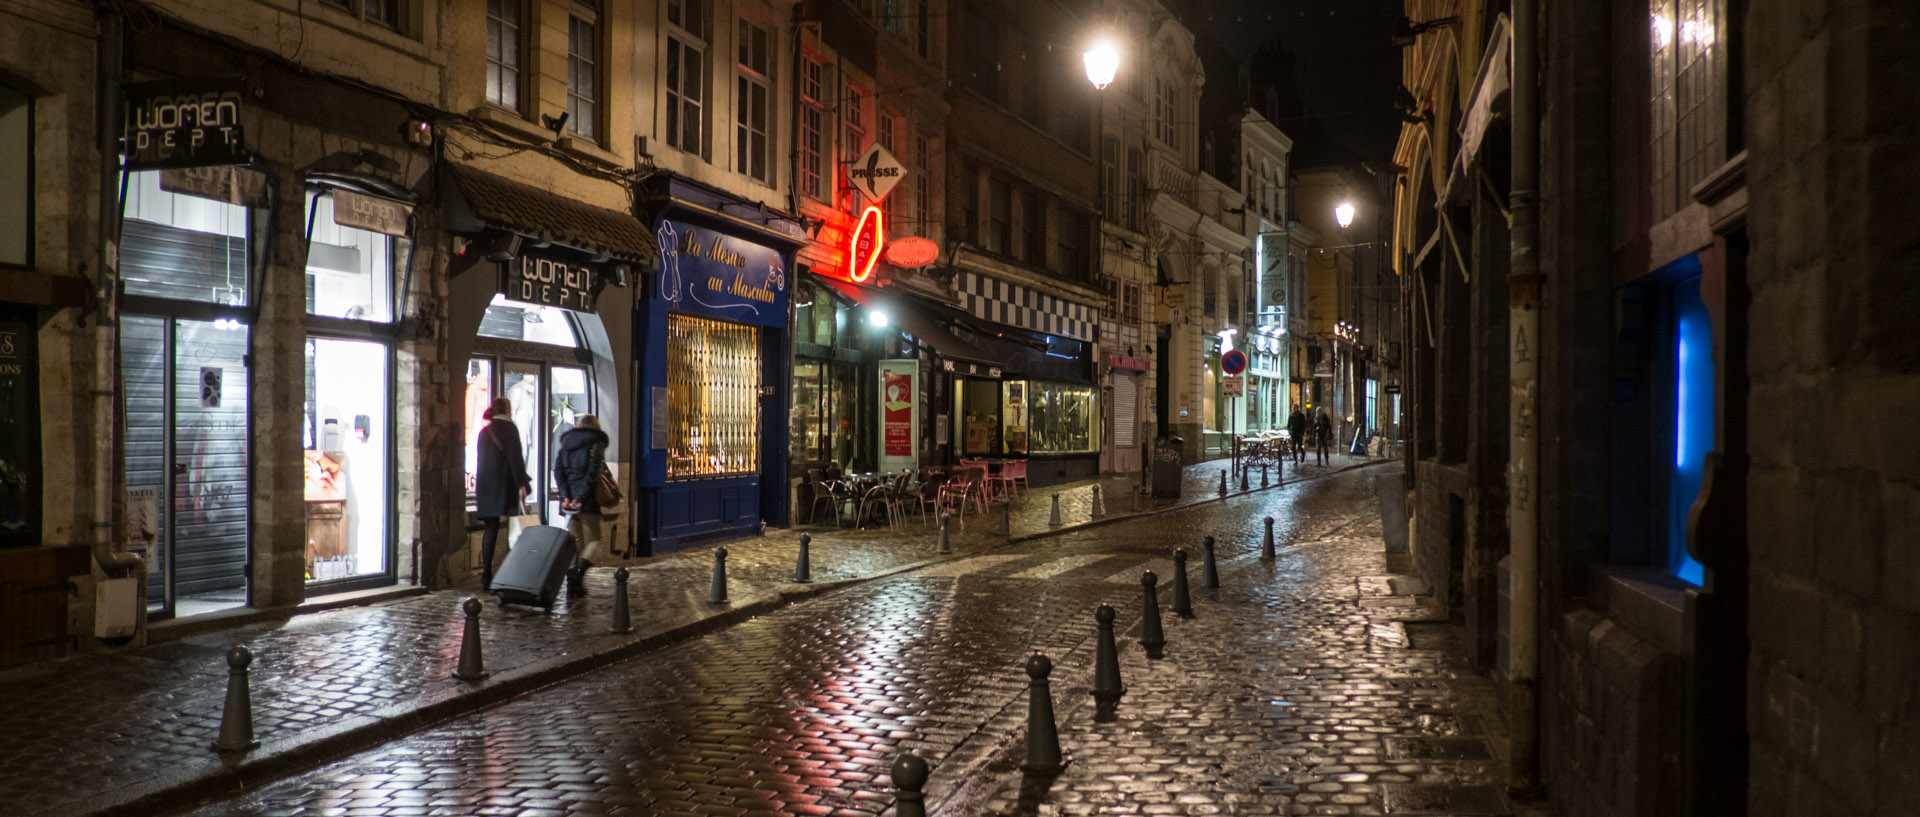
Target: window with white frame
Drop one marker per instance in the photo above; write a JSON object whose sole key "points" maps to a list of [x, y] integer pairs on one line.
{"points": [[506, 49], [687, 40], [384, 12], [812, 116], [583, 68], [753, 119], [854, 110], [1163, 112], [923, 184]]}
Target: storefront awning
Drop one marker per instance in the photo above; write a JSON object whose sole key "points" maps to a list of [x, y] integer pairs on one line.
{"points": [[907, 313], [480, 200]]}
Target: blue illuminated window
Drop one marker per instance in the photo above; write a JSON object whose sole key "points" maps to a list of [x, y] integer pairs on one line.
{"points": [[1692, 421]]}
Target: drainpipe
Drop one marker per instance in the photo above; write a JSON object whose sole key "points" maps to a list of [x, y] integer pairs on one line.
{"points": [[116, 563], [1524, 283]]}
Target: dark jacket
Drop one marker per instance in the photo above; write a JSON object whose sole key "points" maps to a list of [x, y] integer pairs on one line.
{"points": [[1297, 425], [502, 470], [1323, 428], [583, 452]]}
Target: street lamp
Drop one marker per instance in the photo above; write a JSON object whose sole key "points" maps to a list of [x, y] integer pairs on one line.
{"points": [[1343, 214], [1103, 61]]}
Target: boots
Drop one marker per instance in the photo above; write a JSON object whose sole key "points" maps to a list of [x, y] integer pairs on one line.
{"points": [[576, 579]]}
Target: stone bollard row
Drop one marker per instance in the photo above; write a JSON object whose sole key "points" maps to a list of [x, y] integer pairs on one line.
{"points": [[1223, 482], [622, 619], [1243, 480], [471, 668], [1266, 545], [1152, 637], [1209, 574], [1043, 739], [1054, 520], [803, 566], [717, 592], [1097, 511], [1181, 603], [1106, 663], [236, 718]]}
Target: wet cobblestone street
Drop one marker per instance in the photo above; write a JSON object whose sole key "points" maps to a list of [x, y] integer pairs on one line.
{"points": [[1293, 689]]}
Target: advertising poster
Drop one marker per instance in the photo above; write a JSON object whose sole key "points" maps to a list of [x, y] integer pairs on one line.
{"points": [[898, 414]]}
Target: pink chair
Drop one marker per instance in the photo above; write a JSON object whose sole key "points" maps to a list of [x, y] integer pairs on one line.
{"points": [[1012, 473]]}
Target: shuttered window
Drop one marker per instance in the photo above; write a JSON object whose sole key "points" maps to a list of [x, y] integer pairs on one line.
{"points": [[1126, 406]]}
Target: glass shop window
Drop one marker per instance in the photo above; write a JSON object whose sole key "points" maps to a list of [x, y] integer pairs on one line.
{"points": [[479, 399], [713, 398], [1059, 418], [181, 246], [349, 269], [822, 400], [533, 323]]}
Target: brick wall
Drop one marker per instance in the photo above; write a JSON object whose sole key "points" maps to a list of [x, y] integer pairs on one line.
{"points": [[1834, 707]]}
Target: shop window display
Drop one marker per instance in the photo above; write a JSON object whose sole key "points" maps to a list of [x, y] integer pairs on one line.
{"points": [[713, 398], [479, 398], [822, 398], [1061, 419], [349, 270], [533, 323], [346, 458]]}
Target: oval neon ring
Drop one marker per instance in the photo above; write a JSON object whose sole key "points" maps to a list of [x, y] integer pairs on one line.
{"points": [[869, 238]]}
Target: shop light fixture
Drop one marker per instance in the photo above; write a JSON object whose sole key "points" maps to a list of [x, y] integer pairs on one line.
{"points": [[877, 318]]}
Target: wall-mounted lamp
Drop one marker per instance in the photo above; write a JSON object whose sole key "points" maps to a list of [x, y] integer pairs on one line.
{"points": [[504, 247], [877, 318], [1343, 215], [1103, 62]]}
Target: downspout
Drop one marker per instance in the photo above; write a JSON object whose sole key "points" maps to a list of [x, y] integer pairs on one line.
{"points": [[1524, 283], [115, 563]]}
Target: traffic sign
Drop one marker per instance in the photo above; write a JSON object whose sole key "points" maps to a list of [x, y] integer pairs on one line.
{"points": [[1233, 386], [1233, 362]]}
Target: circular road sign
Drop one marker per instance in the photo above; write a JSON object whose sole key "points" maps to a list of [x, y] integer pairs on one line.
{"points": [[1233, 362]]}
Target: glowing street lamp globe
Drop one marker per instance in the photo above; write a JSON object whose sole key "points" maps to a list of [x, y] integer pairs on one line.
{"points": [[1343, 214], [1102, 63]]}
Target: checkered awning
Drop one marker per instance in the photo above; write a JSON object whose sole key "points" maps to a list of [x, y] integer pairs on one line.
{"points": [[1015, 305]]}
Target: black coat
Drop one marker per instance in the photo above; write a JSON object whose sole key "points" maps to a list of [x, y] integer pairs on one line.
{"points": [[583, 452], [502, 471], [1297, 425]]}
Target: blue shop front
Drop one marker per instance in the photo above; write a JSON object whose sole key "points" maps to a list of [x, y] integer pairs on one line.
{"points": [[710, 335]]}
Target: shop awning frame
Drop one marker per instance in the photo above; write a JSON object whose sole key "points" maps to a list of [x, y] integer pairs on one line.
{"points": [[907, 313], [479, 200]]}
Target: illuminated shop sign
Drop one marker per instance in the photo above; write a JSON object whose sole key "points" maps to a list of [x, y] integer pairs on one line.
{"points": [[869, 240], [183, 123], [536, 280], [720, 275]]}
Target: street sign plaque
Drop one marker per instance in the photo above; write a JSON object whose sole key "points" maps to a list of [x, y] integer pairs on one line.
{"points": [[876, 173], [1233, 362]]}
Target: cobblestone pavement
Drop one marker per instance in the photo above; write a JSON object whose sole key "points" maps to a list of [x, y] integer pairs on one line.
{"points": [[1298, 687], [128, 731]]}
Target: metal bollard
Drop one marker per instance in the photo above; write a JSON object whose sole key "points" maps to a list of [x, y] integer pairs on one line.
{"points": [[1151, 636], [1106, 663], [622, 620], [1006, 518], [1043, 739], [470, 668], [1097, 510], [1223, 482], [1137, 491], [803, 567], [909, 778], [1054, 520], [1266, 547], [1209, 575], [236, 719], [1182, 602], [945, 546], [717, 594], [1243, 480], [1264, 471]]}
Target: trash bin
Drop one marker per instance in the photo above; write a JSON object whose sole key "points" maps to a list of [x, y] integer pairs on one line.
{"points": [[1166, 467]]}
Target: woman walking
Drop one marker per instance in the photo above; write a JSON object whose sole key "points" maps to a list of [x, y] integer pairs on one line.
{"points": [[583, 455], [1322, 437], [501, 484]]}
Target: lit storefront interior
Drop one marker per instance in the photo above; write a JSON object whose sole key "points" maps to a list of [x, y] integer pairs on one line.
{"points": [[356, 243], [187, 265], [536, 357]]}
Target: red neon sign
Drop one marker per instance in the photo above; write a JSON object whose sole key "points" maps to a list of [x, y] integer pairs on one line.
{"points": [[869, 238]]}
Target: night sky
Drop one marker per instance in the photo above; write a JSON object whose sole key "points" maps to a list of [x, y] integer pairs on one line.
{"points": [[1347, 63]]}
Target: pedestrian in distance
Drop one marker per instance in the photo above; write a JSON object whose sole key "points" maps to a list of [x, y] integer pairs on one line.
{"points": [[501, 484], [578, 467], [1297, 435], [1322, 438]]}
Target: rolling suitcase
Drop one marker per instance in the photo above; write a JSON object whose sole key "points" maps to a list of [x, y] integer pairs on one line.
{"points": [[535, 567]]}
